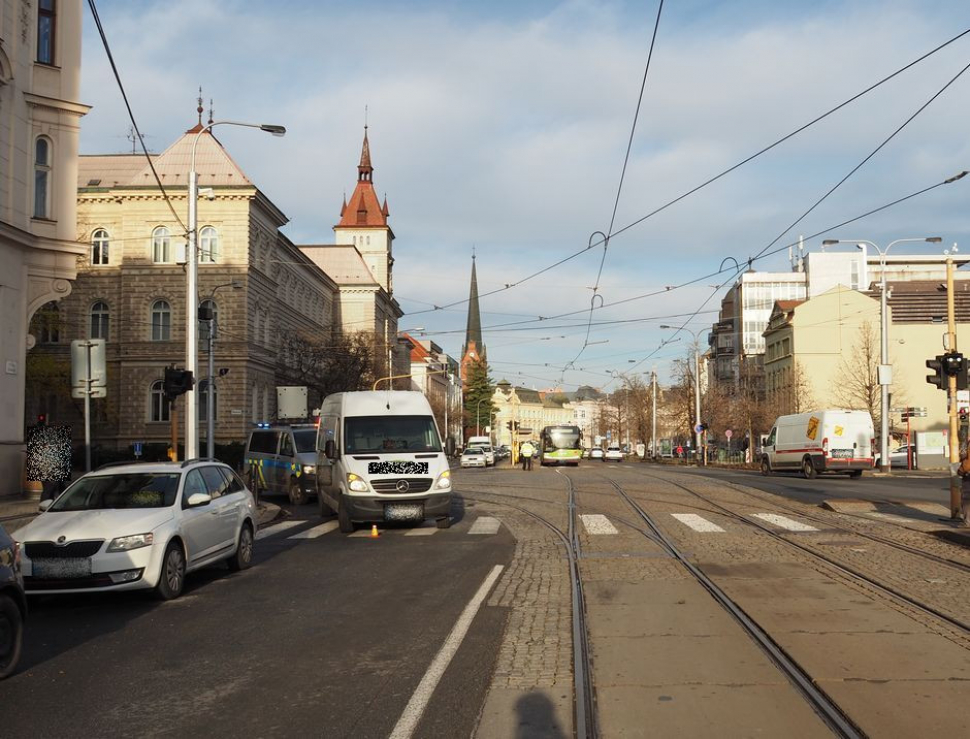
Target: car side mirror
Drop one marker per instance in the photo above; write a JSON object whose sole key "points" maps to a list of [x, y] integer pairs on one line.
{"points": [[199, 499], [45, 504], [330, 449]]}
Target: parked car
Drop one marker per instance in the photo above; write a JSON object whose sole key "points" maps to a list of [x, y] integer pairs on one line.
{"points": [[139, 526], [596, 453], [473, 457], [281, 460], [13, 605], [899, 457], [613, 454]]}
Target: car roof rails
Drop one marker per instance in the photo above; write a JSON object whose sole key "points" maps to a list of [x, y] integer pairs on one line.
{"points": [[195, 460], [119, 464]]}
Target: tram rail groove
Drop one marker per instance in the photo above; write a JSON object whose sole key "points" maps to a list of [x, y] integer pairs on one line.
{"points": [[832, 562], [826, 708]]}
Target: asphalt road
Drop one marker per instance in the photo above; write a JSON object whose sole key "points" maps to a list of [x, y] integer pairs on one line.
{"points": [[322, 637]]}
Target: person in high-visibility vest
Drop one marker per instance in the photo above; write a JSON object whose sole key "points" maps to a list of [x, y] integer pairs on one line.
{"points": [[526, 452]]}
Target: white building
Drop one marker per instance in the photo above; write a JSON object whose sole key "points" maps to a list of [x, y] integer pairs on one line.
{"points": [[40, 77]]}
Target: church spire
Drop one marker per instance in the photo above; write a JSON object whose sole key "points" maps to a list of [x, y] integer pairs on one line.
{"points": [[364, 170], [473, 331]]}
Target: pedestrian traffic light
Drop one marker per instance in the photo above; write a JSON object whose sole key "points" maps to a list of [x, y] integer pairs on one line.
{"points": [[42, 419], [177, 382], [938, 377]]}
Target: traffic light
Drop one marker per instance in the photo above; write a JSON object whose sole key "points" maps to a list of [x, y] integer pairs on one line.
{"points": [[177, 382], [42, 419], [508, 425], [938, 377], [955, 364]]}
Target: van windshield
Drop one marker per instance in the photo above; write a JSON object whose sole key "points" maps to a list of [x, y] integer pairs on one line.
{"points": [[368, 434]]}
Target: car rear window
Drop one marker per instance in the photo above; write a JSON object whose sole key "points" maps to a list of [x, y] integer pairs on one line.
{"points": [[263, 442]]}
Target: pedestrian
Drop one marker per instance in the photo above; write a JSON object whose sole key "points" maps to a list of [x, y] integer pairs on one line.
{"points": [[964, 471], [526, 451]]}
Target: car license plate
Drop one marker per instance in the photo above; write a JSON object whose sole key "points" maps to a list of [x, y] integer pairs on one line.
{"points": [[53, 569], [403, 511], [842, 454]]}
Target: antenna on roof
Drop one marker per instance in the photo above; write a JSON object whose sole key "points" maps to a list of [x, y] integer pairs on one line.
{"points": [[200, 110]]}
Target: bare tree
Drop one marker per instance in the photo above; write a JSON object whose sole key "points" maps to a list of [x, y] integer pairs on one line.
{"points": [[858, 380], [330, 364]]}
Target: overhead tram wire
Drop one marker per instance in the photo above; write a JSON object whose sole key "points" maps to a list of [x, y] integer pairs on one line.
{"points": [[712, 180], [619, 188], [131, 115]]}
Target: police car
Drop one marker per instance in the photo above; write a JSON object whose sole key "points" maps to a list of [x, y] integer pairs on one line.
{"points": [[281, 460]]}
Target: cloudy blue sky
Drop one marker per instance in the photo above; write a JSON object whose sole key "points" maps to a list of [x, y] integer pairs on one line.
{"points": [[503, 126]]}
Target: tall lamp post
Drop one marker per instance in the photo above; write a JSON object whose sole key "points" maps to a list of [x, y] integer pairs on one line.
{"points": [[885, 369], [192, 286], [210, 415], [698, 434], [478, 417]]}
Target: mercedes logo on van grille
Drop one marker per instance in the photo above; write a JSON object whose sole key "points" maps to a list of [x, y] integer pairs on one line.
{"points": [[402, 486], [61, 539]]}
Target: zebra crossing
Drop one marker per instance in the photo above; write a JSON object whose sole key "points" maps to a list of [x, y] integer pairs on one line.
{"points": [[600, 525], [482, 525]]}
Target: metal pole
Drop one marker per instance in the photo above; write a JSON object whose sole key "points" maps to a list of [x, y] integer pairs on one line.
{"points": [[191, 318], [956, 511], [210, 416], [653, 421], [87, 409], [884, 464], [447, 402], [697, 402]]}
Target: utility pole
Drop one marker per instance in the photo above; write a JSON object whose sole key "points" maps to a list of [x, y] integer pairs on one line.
{"points": [[956, 507], [653, 413]]}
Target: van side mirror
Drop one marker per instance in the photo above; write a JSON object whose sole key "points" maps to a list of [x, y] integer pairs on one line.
{"points": [[330, 449], [450, 447]]}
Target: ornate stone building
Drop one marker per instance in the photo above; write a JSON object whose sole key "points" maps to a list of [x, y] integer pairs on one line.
{"points": [[40, 75]]}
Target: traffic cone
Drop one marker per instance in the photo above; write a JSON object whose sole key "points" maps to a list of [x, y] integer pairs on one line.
{"points": [[373, 531]]}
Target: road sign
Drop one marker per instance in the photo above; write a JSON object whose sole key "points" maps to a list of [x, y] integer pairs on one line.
{"points": [[88, 365], [137, 445], [728, 434], [698, 428]]}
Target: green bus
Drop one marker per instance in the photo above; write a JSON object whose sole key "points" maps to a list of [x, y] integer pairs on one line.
{"points": [[560, 445]]}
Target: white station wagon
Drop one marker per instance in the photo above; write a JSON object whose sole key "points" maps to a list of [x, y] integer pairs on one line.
{"points": [[144, 525]]}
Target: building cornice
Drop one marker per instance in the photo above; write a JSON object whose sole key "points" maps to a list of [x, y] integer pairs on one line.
{"points": [[61, 106]]}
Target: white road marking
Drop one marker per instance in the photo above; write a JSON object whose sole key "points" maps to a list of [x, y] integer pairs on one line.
{"points": [[890, 517], [277, 529], [413, 711], [316, 531], [784, 522], [423, 531], [597, 524], [484, 525], [698, 523]]}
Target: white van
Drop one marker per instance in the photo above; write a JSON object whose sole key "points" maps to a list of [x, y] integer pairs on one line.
{"points": [[380, 458], [820, 441]]}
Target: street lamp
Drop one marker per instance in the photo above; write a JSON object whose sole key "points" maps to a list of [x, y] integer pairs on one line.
{"points": [[210, 416], [478, 416], [697, 390], [192, 287], [885, 369]]}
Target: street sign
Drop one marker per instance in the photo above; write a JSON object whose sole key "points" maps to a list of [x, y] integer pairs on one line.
{"points": [[728, 434], [137, 445], [84, 353], [698, 428]]}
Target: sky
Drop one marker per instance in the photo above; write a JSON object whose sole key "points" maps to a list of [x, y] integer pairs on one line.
{"points": [[503, 127]]}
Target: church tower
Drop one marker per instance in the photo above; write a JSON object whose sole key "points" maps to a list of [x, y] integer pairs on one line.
{"points": [[474, 347], [363, 223]]}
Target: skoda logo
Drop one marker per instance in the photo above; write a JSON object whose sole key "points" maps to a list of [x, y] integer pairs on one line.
{"points": [[403, 486], [61, 539]]}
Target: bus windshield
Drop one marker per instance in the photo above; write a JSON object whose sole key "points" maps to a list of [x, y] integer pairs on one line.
{"points": [[370, 434], [561, 437]]}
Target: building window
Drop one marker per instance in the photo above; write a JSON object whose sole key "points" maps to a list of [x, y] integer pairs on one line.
{"points": [[99, 247], [99, 320], [208, 245], [207, 307], [203, 403], [161, 245], [161, 321], [47, 324], [45, 31], [159, 406], [42, 176]]}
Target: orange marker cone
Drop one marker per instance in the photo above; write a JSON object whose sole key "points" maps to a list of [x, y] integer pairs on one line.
{"points": [[373, 531]]}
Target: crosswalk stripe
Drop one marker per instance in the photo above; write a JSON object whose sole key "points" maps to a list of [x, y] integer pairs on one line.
{"points": [[698, 523], [316, 531], [484, 525], [597, 523], [277, 529], [784, 522]]}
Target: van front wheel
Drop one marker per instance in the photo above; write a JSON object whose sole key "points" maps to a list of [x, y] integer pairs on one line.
{"points": [[808, 469], [765, 466], [343, 517]]}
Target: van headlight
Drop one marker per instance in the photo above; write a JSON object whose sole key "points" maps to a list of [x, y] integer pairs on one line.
{"points": [[127, 543], [355, 483], [444, 481], [309, 469]]}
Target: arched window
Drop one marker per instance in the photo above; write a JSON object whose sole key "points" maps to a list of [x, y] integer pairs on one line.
{"points": [[99, 247], [203, 403], [159, 406], [47, 324], [161, 321], [42, 176], [208, 245], [207, 308], [99, 320], [161, 245]]}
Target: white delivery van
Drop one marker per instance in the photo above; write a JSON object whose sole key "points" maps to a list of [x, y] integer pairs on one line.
{"points": [[380, 458], [820, 441]]}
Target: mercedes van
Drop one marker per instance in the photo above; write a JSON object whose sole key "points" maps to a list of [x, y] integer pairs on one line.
{"points": [[380, 459], [820, 441]]}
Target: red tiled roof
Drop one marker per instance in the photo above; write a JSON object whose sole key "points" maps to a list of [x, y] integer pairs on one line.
{"points": [[363, 209]]}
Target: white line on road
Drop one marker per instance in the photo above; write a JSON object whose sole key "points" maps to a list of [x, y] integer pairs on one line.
{"points": [[422, 694], [277, 529], [597, 523], [423, 531], [316, 531], [484, 525], [784, 522], [698, 523]]}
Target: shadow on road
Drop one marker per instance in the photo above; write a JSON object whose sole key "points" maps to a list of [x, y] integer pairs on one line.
{"points": [[537, 718]]}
